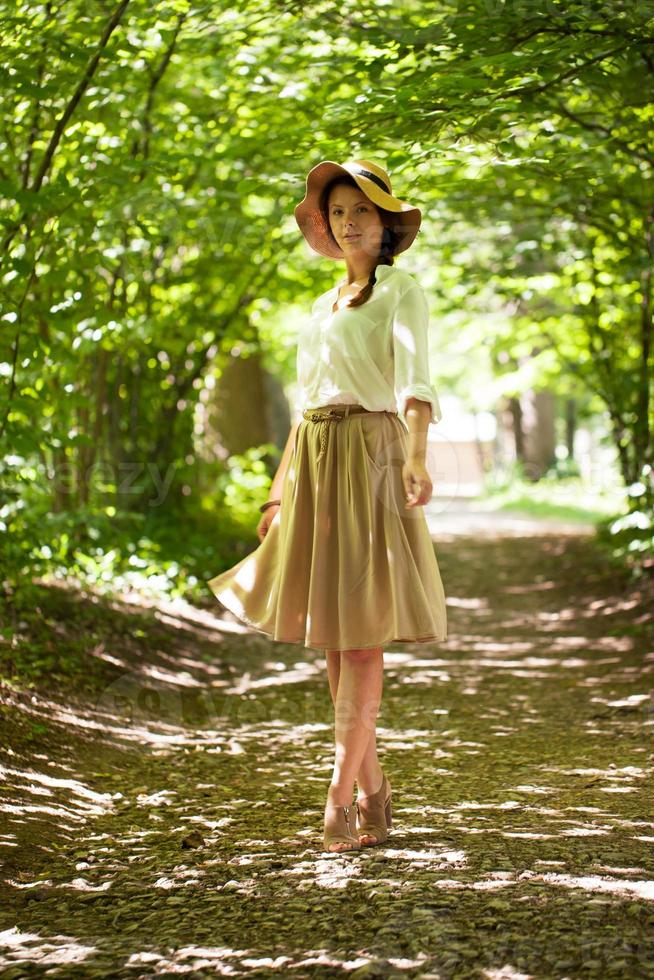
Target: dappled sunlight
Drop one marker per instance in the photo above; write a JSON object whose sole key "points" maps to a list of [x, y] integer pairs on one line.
{"points": [[593, 883], [30, 797], [529, 588], [29, 947], [229, 627], [228, 961], [99, 723], [437, 860], [275, 675], [177, 677], [197, 671], [612, 772], [505, 973], [467, 602], [333, 872], [515, 751], [85, 799]]}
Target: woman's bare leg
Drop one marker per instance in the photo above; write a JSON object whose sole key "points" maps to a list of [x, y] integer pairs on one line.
{"points": [[369, 776], [358, 698]]}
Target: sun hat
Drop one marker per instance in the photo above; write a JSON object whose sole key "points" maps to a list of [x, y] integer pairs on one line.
{"points": [[374, 182]]}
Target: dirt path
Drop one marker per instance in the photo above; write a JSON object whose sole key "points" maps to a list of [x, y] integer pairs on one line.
{"points": [[168, 818]]}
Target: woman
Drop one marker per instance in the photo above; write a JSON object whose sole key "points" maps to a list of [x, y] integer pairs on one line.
{"points": [[346, 563]]}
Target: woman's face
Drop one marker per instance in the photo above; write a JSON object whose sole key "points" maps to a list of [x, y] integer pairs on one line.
{"points": [[354, 221]]}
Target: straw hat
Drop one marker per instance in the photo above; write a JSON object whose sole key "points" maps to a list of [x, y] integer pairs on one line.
{"points": [[375, 184]]}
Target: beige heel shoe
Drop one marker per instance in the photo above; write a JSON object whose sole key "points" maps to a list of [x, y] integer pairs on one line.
{"points": [[340, 828], [375, 814]]}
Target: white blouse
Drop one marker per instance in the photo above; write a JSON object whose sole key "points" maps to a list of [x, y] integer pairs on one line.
{"points": [[375, 355]]}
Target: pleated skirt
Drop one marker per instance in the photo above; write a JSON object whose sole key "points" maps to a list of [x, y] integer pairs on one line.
{"points": [[344, 565]]}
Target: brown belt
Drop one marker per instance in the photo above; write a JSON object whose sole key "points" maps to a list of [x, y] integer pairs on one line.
{"points": [[332, 413]]}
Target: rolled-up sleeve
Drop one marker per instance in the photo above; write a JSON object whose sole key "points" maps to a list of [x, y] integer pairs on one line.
{"points": [[411, 352]]}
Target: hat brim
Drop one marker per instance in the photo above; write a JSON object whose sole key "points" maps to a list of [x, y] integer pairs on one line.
{"points": [[315, 229]]}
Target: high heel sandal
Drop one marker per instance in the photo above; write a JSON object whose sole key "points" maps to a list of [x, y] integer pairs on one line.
{"points": [[375, 814], [340, 828]]}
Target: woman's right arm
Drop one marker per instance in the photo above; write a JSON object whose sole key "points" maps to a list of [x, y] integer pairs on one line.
{"points": [[275, 492], [278, 480]]}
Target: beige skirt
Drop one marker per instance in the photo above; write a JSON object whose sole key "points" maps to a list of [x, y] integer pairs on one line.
{"points": [[344, 564]]}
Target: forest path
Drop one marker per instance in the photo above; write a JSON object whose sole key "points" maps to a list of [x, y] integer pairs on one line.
{"points": [[166, 815]]}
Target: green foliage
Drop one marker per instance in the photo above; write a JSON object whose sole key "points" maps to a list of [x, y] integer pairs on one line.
{"points": [[566, 497], [629, 538], [244, 485]]}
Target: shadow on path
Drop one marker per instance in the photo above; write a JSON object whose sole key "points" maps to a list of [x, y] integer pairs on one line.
{"points": [[172, 822]]}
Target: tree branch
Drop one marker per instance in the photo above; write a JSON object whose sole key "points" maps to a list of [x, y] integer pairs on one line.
{"points": [[62, 123], [597, 127], [575, 70], [84, 83]]}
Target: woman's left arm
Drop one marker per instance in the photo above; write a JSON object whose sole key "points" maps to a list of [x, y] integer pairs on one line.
{"points": [[416, 397], [417, 482]]}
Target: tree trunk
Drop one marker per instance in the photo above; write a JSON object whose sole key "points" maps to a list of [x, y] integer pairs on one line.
{"points": [[537, 415]]}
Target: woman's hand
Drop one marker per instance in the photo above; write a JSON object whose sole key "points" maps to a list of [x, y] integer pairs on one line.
{"points": [[417, 482], [266, 521]]}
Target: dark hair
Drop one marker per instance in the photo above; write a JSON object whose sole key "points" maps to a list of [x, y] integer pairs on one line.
{"points": [[389, 242]]}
